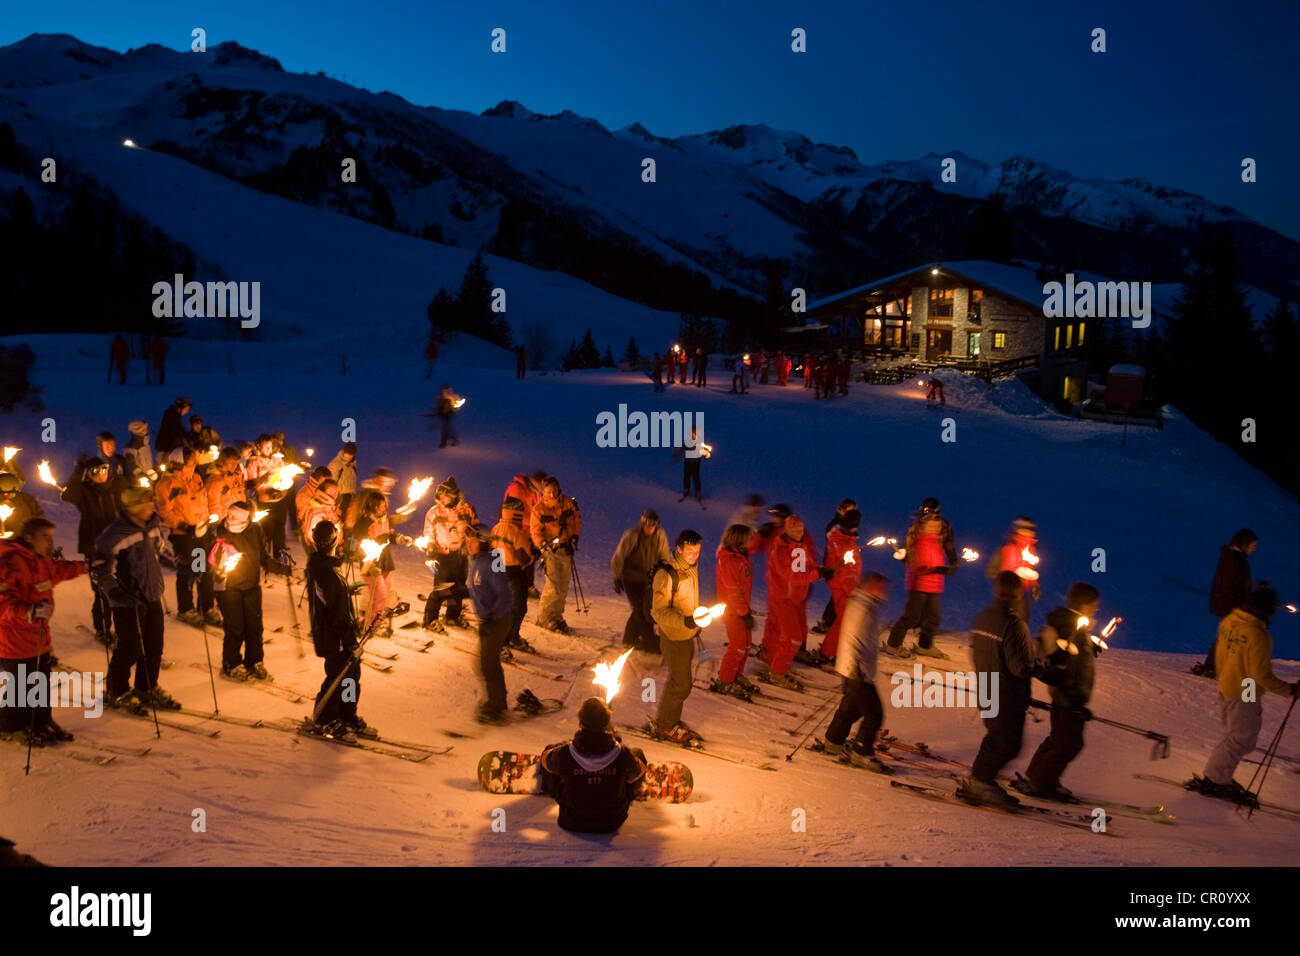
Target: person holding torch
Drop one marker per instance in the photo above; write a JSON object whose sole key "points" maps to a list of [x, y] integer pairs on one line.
{"points": [[675, 606], [237, 559]]}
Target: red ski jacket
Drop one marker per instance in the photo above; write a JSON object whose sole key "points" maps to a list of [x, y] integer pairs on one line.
{"points": [[27, 579], [926, 552], [787, 583], [847, 575]]}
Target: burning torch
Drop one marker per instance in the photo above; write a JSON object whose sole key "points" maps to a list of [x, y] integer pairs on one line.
{"points": [[372, 549], [607, 675], [5, 514], [1026, 571], [969, 554], [232, 559], [704, 616], [9, 453], [414, 492], [43, 469]]}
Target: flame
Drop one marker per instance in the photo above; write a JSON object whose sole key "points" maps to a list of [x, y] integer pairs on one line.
{"points": [[214, 451], [969, 554], [129, 143], [43, 469], [213, 518], [144, 482], [432, 565], [607, 675], [417, 489], [891, 541], [1109, 629], [458, 403], [706, 450], [746, 358], [259, 515], [1082, 622], [1289, 607], [310, 452], [10, 451], [1028, 556], [1099, 642], [282, 478], [876, 541], [6, 512], [421, 542], [849, 559], [232, 559], [900, 554], [677, 348], [1065, 645], [704, 616], [372, 549]]}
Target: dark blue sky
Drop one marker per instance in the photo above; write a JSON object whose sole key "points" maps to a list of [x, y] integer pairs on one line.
{"points": [[1185, 91]]}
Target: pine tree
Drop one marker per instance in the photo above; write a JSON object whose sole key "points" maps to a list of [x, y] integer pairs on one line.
{"points": [[632, 354], [608, 360], [444, 316], [1281, 332]]}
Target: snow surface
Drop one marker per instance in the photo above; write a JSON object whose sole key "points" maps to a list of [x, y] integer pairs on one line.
{"points": [[1160, 505]]}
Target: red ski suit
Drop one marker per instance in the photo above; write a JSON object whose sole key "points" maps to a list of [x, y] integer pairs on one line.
{"points": [[27, 579], [847, 575], [787, 598], [735, 581]]}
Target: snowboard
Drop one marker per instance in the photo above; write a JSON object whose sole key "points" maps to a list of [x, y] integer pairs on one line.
{"points": [[501, 771]]}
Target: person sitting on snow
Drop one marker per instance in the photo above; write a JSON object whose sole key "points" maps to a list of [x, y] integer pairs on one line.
{"points": [[595, 778]]}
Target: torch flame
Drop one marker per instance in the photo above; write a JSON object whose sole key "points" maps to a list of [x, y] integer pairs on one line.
{"points": [[6, 512], [607, 675], [1109, 629], [849, 559], [704, 616], [891, 541], [10, 451], [900, 554], [417, 489], [421, 542], [1065, 645], [1028, 556], [706, 450], [213, 518], [144, 482], [1291, 608], [372, 549], [282, 479], [310, 452], [43, 469], [232, 559], [876, 541], [259, 515], [968, 554], [458, 403], [1099, 642], [1082, 622], [214, 451]]}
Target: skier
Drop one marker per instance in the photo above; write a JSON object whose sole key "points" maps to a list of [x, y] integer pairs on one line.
{"points": [[842, 573], [639, 552], [158, 356], [1242, 660], [138, 454], [225, 486], [683, 360], [511, 541], [735, 581], [555, 526], [126, 568], [119, 353], [936, 391], [21, 505], [28, 574], [843, 369], [1001, 647], [528, 490], [676, 595], [860, 624], [171, 431], [490, 591], [809, 370], [930, 556], [769, 531], [761, 372], [446, 524], [237, 559], [334, 636], [740, 377], [1230, 587], [322, 506], [1070, 697], [782, 368], [343, 469], [106, 451], [595, 778], [701, 368], [521, 362], [792, 564], [182, 504], [445, 409], [748, 513], [658, 367], [692, 452], [96, 494], [202, 439], [828, 613]]}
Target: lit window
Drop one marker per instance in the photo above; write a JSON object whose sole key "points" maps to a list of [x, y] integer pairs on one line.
{"points": [[1056, 345], [1082, 326], [999, 340], [1069, 336]]}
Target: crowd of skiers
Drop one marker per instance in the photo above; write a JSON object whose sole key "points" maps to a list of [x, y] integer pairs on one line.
{"points": [[827, 375], [220, 513]]}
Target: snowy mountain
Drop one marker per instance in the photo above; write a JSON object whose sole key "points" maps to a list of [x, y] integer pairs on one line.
{"points": [[563, 192]]}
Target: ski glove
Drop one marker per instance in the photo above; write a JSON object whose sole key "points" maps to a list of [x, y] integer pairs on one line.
{"points": [[1058, 657], [826, 573], [40, 612], [748, 620], [618, 585]]}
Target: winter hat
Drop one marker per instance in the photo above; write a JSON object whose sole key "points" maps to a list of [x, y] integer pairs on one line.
{"points": [[135, 496], [594, 714], [1024, 526], [846, 504], [138, 427], [780, 512], [449, 487], [195, 420], [324, 535], [851, 519], [183, 402], [512, 504], [237, 515], [930, 504], [1262, 601]]}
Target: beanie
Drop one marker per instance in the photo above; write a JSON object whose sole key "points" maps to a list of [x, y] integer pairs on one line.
{"points": [[594, 714]]}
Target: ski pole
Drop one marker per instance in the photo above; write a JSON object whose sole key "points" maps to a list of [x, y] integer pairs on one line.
{"points": [[1161, 745], [143, 666], [31, 730], [208, 653], [1267, 763], [577, 583], [816, 723], [355, 658], [293, 610]]}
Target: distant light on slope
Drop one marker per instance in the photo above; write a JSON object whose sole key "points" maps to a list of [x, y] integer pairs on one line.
{"points": [[129, 143]]}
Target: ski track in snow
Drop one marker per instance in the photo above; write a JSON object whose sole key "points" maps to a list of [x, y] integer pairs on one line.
{"points": [[1160, 506]]}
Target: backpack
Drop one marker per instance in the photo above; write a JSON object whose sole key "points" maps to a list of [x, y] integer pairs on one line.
{"points": [[672, 573]]}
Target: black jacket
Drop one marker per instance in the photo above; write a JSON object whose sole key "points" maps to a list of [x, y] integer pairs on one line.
{"points": [[1000, 643], [596, 779], [329, 607], [1231, 584], [256, 551], [171, 432], [1079, 670], [98, 505]]}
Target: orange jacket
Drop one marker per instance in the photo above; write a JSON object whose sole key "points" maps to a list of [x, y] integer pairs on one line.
{"points": [[520, 488], [223, 491], [847, 575], [181, 500], [509, 535], [445, 526], [787, 583], [560, 520], [27, 579]]}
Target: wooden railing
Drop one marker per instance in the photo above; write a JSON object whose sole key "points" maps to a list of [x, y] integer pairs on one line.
{"points": [[985, 370]]}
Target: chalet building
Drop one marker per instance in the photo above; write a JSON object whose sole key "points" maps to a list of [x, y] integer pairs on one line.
{"points": [[984, 317]]}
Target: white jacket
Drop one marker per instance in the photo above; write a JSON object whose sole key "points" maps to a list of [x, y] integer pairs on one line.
{"points": [[859, 636]]}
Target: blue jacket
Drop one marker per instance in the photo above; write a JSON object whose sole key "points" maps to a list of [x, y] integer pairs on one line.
{"points": [[125, 563], [490, 590]]}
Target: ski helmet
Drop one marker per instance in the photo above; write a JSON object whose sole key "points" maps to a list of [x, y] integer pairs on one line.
{"points": [[930, 505], [780, 512]]}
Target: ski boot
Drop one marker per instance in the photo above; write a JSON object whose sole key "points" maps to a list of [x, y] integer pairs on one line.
{"points": [[259, 672], [730, 688], [679, 734], [931, 651], [867, 760], [507, 655], [747, 685], [900, 652], [54, 732], [360, 728], [163, 700], [27, 737], [190, 617], [487, 714], [806, 656], [980, 794], [339, 731], [239, 672], [830, 749], [769, 676], [519, 644], [436, 626], [528, 703], [456, 621], [1057, 794], [130, 702], [213, 617], [559, 627]]}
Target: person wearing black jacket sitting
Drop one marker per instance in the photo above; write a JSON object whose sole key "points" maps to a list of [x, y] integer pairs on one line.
{"points": [[237, 560], [334, 635], [95, 491], [1230, 588], [595, 778], [1002, 648]]}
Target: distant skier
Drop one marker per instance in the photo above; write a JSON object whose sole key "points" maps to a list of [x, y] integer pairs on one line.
{"points": [[1230, 587], [594, 778], [1070, 697], [740, 378], [930, 556], [782, 365], [158, 358], [809, 369], [521, 362], [490, 591], [28, 575], [1242, 659], [683, 360], [119, 353], [855, 662], [445, 409], [657, 367], [675, 594], [1002, 648], [138, 454], [239, 555], [554, 526], [639, 551], [334, 633], [692, 453], [935, 395], [1020, 555]]}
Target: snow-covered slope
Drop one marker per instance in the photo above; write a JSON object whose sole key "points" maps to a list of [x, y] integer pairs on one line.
{"points": [[1159, 505]]}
